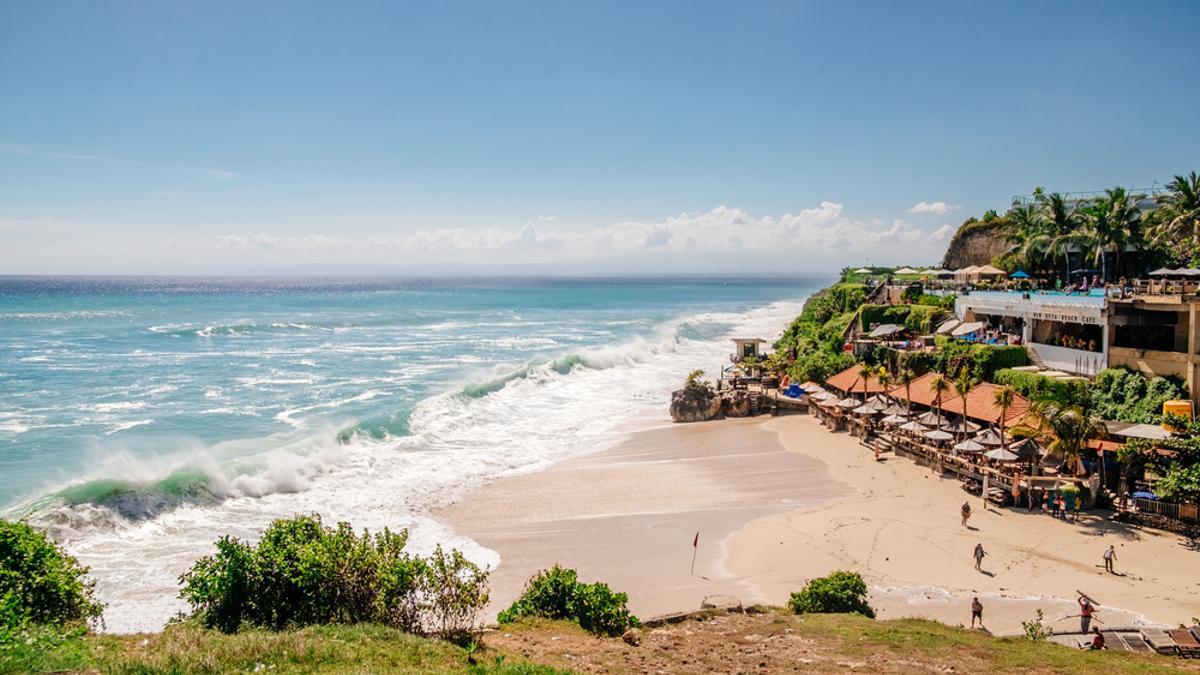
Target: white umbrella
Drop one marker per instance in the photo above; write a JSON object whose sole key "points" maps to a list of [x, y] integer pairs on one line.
{"points": [[863, 270], [939, 435], [822, 396], [1001, 455], [969, 446], [864, 410], [962, 425], [947, 326], [1162, 272], [849, 403], [893, 419], [906, 270], [877, 403], [913, 426], [895, 409], [988, 437], [967, 328], [931, 419]]}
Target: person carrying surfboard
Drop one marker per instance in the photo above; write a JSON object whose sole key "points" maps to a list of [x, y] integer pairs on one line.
{"points": [[1085, 613]]}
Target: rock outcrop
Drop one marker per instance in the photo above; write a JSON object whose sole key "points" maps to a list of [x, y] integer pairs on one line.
{"points": [[737, 404], [976, 243], [694, 404]]}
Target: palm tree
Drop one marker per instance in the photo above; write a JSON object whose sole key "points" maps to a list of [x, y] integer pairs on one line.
{"points": [[939, 386], [1004, 398], [906, 378], [1071, 424], [1062, 223], [1113, 221], [1177, 220], [1027, 234], [864, 375], [885, 378], [963, 386]]}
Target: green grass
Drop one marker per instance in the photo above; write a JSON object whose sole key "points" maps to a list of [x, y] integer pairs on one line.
{"points": [[920, 638], [187, 649]]}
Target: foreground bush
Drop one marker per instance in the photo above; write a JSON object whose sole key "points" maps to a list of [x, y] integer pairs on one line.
{"points": [[557, 593], [39, 584], [303, 573], [838, 593]]}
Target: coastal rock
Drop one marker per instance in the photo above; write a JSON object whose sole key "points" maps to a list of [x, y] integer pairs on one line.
{"points": [[694, 405], [726, 602], [632, 637], [976, 243], [737, 404]]}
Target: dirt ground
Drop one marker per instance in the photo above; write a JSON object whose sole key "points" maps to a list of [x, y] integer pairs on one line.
{"points": [[774, 641]]}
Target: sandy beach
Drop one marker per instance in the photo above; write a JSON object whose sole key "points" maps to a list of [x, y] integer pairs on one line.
{"points": [[779, 501]]}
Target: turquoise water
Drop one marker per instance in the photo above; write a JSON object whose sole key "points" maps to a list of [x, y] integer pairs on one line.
{"points": [[143, 418]]}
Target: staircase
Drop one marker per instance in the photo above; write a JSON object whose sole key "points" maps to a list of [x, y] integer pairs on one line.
{"points": [[1035, 358]]}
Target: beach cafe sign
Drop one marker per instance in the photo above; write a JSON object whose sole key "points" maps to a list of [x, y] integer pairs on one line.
{"points": [[1064, 317]]}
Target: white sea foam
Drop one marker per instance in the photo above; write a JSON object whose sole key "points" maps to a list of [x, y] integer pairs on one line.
{"points": [[542, 414]]}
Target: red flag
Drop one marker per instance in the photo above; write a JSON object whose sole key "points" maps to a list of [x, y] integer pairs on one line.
{"points": [[696, 540]]}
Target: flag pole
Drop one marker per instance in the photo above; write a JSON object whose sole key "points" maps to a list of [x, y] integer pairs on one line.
{"points": [[695, 546]]}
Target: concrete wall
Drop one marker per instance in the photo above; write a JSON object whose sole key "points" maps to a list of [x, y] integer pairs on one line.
{"points": [[1074, 361]]}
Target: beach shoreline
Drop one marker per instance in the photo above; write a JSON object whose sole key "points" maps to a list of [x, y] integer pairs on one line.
{"points": [[778, 501]]}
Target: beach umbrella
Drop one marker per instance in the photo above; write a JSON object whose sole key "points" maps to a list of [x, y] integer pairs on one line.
{"points": [[895, 409], [877, 402], [1162, 272], [931, 419], [939, 435], [907, 270], [962, 425], [969, 446], [1027, 450], [1002, 455], [849, 403], [915, 427], [893, 419], [948, 326], [822, 396], [988, 437], [863, 270], [1019, 274], [864, 409], [967, 328]]}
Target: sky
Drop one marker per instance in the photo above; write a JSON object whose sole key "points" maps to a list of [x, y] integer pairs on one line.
{"points": [[565, 137]]}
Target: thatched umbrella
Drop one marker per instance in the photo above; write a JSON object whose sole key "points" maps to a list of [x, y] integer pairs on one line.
{"points": [[915, 427], [939, 435], [988, 437], [931, 419], [969, 446]]}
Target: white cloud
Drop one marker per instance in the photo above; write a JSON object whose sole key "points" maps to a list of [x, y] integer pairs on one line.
{"points": [[940, 208]]}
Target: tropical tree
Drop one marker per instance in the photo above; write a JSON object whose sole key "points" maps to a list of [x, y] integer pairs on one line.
{"points": [[1112, 222], [1071, 424], [907, 376], [865, 372], [1176, 222], [885, 378], [1027, 233], [1063, 230], [963, 386], [940, 386], [1003, 398]]}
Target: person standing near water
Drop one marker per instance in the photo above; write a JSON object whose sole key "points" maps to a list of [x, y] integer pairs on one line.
{"points": [[1110, 555], [976, 612], [966, 513], [979, 553], [1085, 614]]}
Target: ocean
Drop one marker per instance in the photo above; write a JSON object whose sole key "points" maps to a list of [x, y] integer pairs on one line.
{"points": [[143, 418]]}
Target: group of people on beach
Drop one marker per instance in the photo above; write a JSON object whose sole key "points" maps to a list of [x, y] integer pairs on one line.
{"points": [[1086, 608]]}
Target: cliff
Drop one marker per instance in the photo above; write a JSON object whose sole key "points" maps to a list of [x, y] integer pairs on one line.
{"points": [[976, 243]]}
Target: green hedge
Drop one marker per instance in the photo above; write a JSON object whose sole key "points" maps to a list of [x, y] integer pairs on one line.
{"points": [[1032, 385], [982, 361], [1126, 395]]}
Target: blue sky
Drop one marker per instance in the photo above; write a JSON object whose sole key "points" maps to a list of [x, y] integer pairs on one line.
{"points": [[232, 137]]}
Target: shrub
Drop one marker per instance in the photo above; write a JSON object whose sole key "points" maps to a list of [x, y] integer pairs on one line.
{"points": [[916, 318], [1031, 385], [1126, 395], [557, 593], [39, 583], [303, 573], [839, 593], [1036, 630], [696, 385]]}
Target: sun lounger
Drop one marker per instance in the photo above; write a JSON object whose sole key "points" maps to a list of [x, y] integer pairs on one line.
{"points": [[1112, 641], [1188, 646], [1195, 631], [1159, 641], [1133, 642]]}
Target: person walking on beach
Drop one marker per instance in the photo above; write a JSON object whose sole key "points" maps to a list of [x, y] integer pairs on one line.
{"points": [[976, 612], [979, 553], [1110, 554], [966, 513], [1085, 614]]}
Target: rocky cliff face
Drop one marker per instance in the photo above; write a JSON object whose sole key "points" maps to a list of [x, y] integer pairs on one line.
{"points": [[975, 243]]}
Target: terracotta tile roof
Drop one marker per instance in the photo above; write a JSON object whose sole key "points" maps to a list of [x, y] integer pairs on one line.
{"points": [[848, 382], [981, 405], [923, 393]]}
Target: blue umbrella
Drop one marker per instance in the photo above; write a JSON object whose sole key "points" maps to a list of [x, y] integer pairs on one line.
{"points": [[1144, 495], [1019, 275]]}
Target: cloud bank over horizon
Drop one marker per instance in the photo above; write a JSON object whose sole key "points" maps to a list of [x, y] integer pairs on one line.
{"points": [[721, 240]]}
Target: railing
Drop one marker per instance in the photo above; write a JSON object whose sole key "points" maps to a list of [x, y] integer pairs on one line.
{"points": [[1190, 512], [1143, 193], [1152, 287]]}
